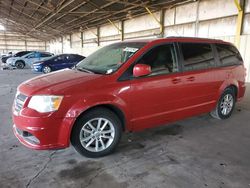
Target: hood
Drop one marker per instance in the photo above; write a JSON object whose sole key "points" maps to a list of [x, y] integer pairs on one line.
{"points": [[58, 82], [46, 59], [43, 61], [38, 62], [12, 59]]}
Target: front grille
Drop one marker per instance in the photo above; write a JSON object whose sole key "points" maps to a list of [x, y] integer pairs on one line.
{"points": [[19, 101]]}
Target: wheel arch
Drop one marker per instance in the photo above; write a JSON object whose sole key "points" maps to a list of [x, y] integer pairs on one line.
{"points": [[229, 84], [20, 60], [120, 114]]}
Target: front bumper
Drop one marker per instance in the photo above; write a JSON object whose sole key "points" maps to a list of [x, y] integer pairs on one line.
{"points": [[43, 133], [36, 68], [10, 63]]}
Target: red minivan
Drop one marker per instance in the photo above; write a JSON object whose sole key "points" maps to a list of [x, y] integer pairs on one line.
{"points": [[128, 86]]}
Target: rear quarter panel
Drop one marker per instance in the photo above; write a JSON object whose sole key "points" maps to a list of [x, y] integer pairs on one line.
{"points": [[230, 75]]}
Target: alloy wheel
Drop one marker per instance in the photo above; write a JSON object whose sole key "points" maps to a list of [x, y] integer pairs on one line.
{"points": [[226, 105], [19, 65], [97, 134], [46, 69]]}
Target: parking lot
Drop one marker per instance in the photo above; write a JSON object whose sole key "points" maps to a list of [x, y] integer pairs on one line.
{"points": [[196, 152]]}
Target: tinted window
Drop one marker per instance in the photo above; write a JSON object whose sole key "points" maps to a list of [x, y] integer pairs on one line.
{"points": [[78, 57], [197, 56], [34, 55], [20, 54], [162, 59], [45, 55], [31, 55], [60, 57], [228, 55], [72, 57]]}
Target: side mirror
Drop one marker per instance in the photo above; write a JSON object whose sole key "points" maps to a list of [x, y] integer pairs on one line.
{"points": [[141, 70]]}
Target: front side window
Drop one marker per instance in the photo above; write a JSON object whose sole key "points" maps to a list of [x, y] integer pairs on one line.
{"points": [[197, 56], [31, 56], [161, 59], [109, 58], [228, 55], [60, 57]]}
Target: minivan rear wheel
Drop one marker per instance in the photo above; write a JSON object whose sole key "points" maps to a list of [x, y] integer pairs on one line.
{"points": [[96, 133], [225, 105]]}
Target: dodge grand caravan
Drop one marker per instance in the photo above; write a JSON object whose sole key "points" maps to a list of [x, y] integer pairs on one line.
{"points": [[128, 86]]}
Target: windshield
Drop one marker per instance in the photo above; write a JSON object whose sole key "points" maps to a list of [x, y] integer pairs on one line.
{"points": [[109, 58]]}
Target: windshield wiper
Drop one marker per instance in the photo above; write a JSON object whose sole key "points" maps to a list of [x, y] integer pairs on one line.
{"points": [[113, 65], [83, 70], [87, 70]]}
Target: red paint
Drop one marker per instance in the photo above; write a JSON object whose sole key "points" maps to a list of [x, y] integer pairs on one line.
{"points": [[145, 102], [141, 70]]}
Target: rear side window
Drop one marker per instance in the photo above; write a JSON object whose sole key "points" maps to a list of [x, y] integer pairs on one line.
{"points": [[73, 57], [197, 56], [77, 57], [228, 55], [46, 55]]}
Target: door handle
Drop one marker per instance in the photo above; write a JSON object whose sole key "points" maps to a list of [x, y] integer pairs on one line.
{"points": [[191, 78], [176, 80]]}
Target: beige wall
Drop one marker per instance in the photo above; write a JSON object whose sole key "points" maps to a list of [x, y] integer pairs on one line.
{"points": [[14, 42], [207, 18]]}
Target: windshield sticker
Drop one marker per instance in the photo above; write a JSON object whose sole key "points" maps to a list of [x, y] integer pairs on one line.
{"points": [[109, 71], [129, 49]]}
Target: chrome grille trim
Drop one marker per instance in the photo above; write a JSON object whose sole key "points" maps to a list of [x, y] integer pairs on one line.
{"points": [[19, 101], [28, 138]]}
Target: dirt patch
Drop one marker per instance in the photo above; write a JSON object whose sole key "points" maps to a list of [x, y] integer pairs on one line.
{"points": [[89, 174], [13, 147], [81, 170], [173, 130], [72, 161], [128, 146]]}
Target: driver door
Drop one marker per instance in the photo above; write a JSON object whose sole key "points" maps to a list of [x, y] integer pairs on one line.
{"points": [[58, 62], [32, 58], [156, 98]]}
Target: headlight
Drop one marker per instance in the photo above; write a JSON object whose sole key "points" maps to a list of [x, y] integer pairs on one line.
{"points": [[37, 64], [45, 103]]}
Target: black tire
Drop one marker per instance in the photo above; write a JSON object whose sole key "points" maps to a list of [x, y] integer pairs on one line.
{"points": [[20, 64], [92, 115], [218, 111], [46, 69]]}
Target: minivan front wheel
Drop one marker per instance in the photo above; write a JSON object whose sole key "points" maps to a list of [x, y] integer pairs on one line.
{"points": [[96, 133], [225, 105]]}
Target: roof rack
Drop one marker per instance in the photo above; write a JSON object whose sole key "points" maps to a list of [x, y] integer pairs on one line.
{"points": [[193, 38]]}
